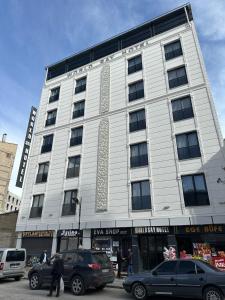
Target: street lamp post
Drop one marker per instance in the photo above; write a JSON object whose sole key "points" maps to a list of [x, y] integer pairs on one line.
{"points": [[79, 202]]}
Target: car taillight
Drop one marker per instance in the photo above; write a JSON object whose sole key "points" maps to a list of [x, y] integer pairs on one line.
{"points": [[1, 266], [94, 266]]}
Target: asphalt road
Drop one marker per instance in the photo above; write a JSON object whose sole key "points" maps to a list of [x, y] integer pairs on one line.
{"points": [[19, 290]]}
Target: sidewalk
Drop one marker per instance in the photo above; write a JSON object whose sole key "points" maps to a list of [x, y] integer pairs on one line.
{"points": [[117, 284]]}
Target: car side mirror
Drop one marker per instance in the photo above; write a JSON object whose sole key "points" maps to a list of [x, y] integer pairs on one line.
{"points": [[154, 273]]}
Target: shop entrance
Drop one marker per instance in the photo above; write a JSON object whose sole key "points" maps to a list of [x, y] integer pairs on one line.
{"points": [[151, 250]]}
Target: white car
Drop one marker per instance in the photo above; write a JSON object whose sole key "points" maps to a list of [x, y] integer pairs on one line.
{"points": [[12, 263]]}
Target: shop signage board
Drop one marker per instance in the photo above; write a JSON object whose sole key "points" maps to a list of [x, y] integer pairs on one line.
{"points": [[69, 233], [37, 234], [111, 231], [199, 229], [26, 148], [151, 229]]}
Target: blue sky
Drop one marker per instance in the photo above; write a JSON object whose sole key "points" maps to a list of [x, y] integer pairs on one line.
{"points": [[37, 33]]}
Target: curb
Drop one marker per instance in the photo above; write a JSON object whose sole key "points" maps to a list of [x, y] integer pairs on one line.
{"points": [[114, 286]]}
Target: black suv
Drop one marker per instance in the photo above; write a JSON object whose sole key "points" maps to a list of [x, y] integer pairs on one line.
{"points": [[83, 269]]}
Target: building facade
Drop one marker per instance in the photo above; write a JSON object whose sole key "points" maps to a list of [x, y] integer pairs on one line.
{"points": [[8, 229], [7, 156], [12, 202], [127, 149]]}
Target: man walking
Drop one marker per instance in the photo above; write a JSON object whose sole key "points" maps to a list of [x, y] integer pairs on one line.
{"points": [[57, 272], [43, 258], [119, 262]]}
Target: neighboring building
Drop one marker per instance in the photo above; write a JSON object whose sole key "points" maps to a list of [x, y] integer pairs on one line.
{"points": [[12, 202], [129, 127], [8, 230], [7, 156]]}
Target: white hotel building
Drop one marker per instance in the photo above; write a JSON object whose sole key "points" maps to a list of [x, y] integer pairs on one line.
{"points": [[129, 129]]}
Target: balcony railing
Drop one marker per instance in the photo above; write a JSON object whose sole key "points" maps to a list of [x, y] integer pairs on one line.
{"points": [[69, 209], [80, 88], [134, 68], [78, 113], [54, 98], [36, 212], [50, 121], [41, 177], [46, 148], [76, 141], [136, 95], [72, 172]]}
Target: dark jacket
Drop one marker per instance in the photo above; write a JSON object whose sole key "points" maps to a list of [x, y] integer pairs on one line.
{"points": [[42, 257], [58, 267]]}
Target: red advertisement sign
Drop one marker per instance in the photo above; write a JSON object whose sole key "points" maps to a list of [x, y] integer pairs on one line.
{"points": [[219, 262]]}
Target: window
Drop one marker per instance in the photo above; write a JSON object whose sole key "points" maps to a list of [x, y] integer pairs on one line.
{"points": [[80, 85], [42, 172], [141, 198], [73, 167], [12, 199], [51, 117], [195, 190], [7, 206], [138, 155], [136, 90], [15, 255], [47, 143], [134, 64], [76, 136], [167, 268], [187, 145], [78, 109], [17, 202], [36, 209], [11, 208], [177, 77], [186, 267], [137, 120], [173, 50], [54, 96], [70, 202], [182, 108]]}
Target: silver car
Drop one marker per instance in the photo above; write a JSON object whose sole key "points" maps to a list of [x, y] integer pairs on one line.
{"points": [[178, 278]]}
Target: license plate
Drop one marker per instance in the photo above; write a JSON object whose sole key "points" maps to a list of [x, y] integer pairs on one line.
{"points": [[105, 270], [14, 266]]}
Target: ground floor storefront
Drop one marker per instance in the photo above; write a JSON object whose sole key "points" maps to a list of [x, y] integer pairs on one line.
{"points": [[148, 243]]}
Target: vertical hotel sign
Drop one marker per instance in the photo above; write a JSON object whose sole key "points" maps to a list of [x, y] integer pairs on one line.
{"points": [[26, 148]]}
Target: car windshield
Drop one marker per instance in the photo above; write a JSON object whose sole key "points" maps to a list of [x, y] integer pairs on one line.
{"points": [[1, 254], [102, 259]]}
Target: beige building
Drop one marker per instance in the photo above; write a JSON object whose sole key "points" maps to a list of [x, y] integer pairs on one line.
{"points": [[7, 156], [12, 202], [8, 229]]}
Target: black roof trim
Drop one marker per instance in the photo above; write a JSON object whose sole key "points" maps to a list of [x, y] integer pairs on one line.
{"points": [[126, 39]]}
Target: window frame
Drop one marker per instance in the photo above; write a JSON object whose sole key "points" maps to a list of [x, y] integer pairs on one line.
{"points": [[54, 98], [45, 148], [43, 177], [36, 211], [188, 147], [80, 87], [75, 141], [141, 196], [185, 78], [169, 57], [138, 94], [182, 111], [71, 208], [136, 66], [139, 124], [48, 121], [194, 201], [141, 162], [76, 115], [75, 171]]}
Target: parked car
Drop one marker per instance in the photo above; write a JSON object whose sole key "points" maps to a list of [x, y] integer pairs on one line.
{"points": [[12, 263], [178, 278], [83, 269]]}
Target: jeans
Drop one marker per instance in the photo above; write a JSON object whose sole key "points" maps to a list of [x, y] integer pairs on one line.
{"points": [[130, 270]]}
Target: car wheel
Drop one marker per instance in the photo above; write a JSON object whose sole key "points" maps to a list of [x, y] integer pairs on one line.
{"points": [[101, 287], [212, 293], [35, 281], [77, 286], [139, 291]]}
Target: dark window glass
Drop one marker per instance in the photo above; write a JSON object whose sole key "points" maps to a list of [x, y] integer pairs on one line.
{"points": [[173, 50], [138, 155], [76, 136], [186, 267], [136, 90], [70, 203], [182, 108], [187, 145], [136, 36], [51, 117], [15, 255], [42, 175], [102, 259], [137, 120], [164, 23], [177, 77], [73, 167], [105, 49], [36, 209], [199, 270], [54, 96], [134, 64], [47, 143], [80, 85], [78, 109], [141, 198], [167, 268], [195, 190]]}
